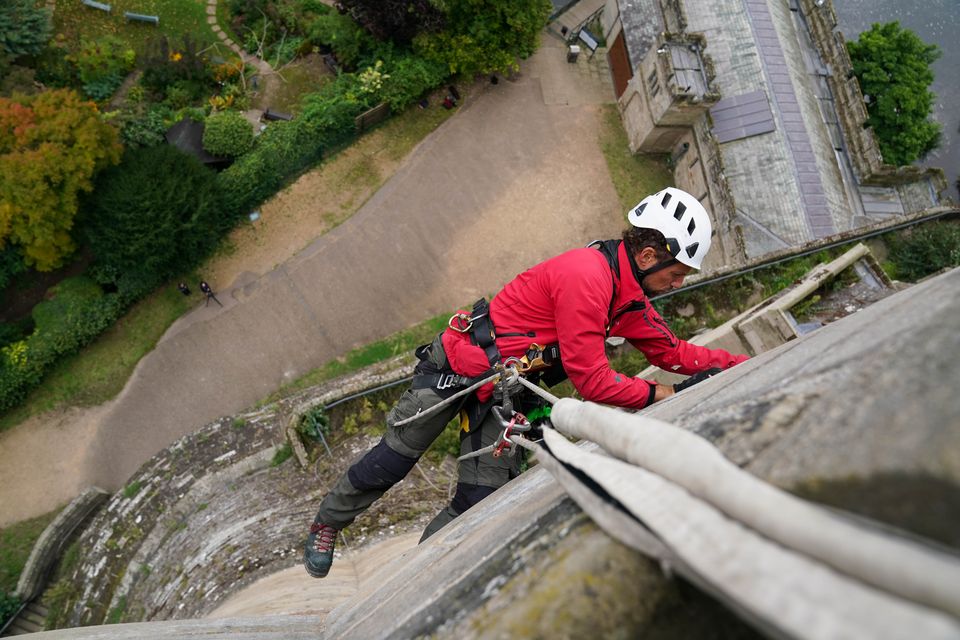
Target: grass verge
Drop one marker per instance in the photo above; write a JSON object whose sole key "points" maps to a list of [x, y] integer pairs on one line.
{"points": [[98, 372], [16, 542], [399, 343], [634, 176]]}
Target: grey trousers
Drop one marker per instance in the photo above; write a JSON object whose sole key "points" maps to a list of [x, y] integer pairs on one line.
{"points": [[370, 476]]}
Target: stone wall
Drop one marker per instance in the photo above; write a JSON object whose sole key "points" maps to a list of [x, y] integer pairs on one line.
{"points": [[211, 513], [50, 545]]}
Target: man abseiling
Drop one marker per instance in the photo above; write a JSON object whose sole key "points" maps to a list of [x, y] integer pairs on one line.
{"points": [[568, 306]]}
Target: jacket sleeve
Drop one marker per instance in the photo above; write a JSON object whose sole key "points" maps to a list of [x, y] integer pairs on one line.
{"points": [[581, 300], [652, 337]]}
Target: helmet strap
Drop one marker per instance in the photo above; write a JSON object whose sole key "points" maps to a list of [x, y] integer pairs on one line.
{"points": [[641, 274]]}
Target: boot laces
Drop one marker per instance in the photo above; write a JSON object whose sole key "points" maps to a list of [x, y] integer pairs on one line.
{"points": [[326, 537]]}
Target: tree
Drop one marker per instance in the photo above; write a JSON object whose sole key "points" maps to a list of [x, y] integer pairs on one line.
{"points": [[51, 146], [893, 67], [24, 28], [227, 134], [397, 20], [485, 36], [158, 213]]}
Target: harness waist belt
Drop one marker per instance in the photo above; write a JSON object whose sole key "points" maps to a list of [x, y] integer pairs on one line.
{"points": [[440, 381]]}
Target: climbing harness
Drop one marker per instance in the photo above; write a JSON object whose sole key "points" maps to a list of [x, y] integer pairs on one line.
{"points": [[473, 387]]}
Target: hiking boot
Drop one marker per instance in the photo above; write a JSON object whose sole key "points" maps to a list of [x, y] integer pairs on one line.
{"points": [[318, 551]]}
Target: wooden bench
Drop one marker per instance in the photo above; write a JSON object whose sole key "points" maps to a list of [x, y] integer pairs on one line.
{"points": [[139, 17], [273, 116], [102, 6]]}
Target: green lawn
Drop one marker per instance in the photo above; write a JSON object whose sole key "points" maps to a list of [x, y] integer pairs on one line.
{"points": [[74, 21]]}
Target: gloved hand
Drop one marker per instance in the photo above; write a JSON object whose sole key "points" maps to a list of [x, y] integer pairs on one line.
{"points": [[695, 378]]}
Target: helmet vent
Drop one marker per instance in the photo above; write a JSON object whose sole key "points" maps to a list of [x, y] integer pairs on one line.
{"points": [[666, 200], [691, 227], [681, 209], [643, 205], [692, 249]]}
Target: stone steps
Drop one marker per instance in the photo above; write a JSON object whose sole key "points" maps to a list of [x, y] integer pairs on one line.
{"points": [[31, 620]]}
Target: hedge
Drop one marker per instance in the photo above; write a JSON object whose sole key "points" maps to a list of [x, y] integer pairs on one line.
{"points": [[285, 149], [77, 313]]}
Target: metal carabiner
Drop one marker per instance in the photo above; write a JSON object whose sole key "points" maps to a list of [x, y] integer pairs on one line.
{"points": [[460, 322]]}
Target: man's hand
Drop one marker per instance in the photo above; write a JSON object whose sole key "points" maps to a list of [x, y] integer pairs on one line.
{"points": [[663, 391], [696, 378]]}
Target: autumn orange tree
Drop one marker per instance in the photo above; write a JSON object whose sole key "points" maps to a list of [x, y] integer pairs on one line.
{"points": [[51, 146]]}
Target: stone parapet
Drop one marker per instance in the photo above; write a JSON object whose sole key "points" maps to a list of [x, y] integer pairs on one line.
{"points": [[213, 512], [51, 543]]}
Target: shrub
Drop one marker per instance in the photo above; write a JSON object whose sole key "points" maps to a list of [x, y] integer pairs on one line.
{"points": [[343, 36], [102, 65], [156, 214], [924, 250], [409, 78], [286, 148], [11, 265], [227, 134], [9, 604], [168, 64], [11, 332], [144, 128], [77, 312]]}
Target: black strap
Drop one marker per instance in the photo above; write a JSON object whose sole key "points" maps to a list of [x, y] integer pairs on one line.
{"points": [[482, 331], [610, 249], [441, 381]]}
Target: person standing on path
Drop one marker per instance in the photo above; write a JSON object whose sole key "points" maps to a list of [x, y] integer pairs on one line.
{"points": [[209, 293], [559, 314]]}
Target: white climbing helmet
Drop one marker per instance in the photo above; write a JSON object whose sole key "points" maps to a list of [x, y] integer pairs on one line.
{"points": [[681, 219]]}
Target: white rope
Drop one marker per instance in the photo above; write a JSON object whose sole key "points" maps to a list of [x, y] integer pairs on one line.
{"points": [[540, 391], [902, 567]]}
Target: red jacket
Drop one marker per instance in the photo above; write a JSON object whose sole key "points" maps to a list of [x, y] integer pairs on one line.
{"points": [[567, 300]]}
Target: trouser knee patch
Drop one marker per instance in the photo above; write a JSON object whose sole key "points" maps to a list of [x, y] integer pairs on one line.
{"points": [[468, 495], [380, 468]]}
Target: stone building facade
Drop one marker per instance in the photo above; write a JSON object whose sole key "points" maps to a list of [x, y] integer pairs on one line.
{"points": [[755, 105]]}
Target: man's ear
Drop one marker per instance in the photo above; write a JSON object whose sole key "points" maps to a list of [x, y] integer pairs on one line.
{"points": [[646, 258]]}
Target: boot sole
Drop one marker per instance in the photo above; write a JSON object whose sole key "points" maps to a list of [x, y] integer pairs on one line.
{"points": [[316, 573]]}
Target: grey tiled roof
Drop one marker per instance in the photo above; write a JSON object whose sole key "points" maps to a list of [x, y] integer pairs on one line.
{"points": [[742, 116], [642, 23]]}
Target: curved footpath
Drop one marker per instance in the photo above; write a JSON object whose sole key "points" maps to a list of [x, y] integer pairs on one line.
{"points": [[515, 177]]}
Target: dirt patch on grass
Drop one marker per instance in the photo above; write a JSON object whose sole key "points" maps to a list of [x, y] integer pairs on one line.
{"points": [[284, 89]]}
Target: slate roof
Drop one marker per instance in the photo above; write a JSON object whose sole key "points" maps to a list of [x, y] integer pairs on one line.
{"points": [[778, 155]]}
